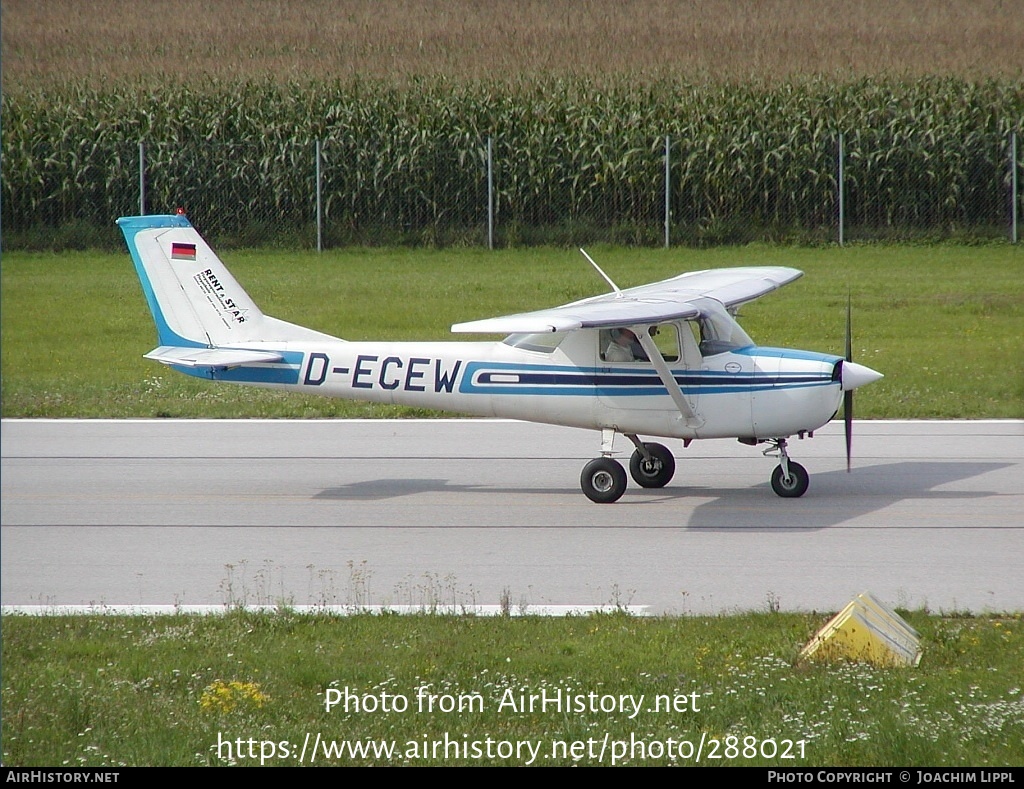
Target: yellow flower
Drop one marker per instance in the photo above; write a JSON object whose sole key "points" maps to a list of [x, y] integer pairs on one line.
{"points": [[220, 696]]}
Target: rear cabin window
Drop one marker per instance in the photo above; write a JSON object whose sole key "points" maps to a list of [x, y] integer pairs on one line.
{"points": [[541, 343]]}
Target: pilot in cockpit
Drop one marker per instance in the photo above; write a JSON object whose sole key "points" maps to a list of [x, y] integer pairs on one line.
{"points": [[624, 347]]}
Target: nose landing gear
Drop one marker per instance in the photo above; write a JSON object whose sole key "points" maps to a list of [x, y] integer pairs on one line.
{"points": [[789, 479]]}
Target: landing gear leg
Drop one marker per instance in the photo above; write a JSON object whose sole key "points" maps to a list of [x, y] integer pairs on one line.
{"points": [[789, 479]]}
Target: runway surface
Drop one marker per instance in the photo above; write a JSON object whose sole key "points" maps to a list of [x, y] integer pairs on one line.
{"points": [[474, 512]]}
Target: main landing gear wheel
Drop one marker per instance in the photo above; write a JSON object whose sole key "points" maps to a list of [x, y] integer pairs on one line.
{"points": [[795, 486], [603, 480], [655, 472]]}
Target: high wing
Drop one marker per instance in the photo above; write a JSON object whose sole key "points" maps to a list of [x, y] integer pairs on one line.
{"points": [[669, 299]]}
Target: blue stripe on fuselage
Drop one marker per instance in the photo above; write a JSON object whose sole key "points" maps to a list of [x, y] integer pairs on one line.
{"points": [[555, 380]]}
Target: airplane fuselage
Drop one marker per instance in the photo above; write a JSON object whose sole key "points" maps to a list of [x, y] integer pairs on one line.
{"points": [[752, 392]]}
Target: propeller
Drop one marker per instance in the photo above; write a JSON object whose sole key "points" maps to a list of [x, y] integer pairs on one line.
{"points": [[848, 394], [852, 376]]}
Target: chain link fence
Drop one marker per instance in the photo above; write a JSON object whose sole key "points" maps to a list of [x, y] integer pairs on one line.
{"points": [[655, 191]]}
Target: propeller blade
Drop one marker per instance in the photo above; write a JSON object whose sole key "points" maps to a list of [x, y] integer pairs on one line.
{"points": [[849, 328], [852, 376], [848, 394], [848, 424]]}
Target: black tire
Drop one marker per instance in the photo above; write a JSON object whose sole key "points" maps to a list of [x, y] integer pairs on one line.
{"points": [[795, 486], [603, 480], [656, 472]]}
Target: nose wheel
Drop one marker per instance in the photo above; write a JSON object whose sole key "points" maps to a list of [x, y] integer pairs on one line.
{"points": [[791, 486]]}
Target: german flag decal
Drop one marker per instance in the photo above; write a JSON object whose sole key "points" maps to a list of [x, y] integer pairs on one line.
{"points": [[183, 251]]}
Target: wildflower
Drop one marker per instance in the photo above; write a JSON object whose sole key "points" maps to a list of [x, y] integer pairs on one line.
{"points": [[220, 696]]}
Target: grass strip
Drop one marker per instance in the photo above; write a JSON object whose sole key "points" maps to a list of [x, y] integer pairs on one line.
{"points": [[941, 322], [174, 690]]}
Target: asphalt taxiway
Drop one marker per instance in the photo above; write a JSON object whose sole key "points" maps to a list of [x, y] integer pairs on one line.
{"points": [[475, 512]]}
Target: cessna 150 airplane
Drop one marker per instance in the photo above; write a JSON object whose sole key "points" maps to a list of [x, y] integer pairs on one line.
{"points": [[666, 359]]}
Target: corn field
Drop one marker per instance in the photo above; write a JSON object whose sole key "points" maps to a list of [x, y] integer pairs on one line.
{"points": [[545, 161]]}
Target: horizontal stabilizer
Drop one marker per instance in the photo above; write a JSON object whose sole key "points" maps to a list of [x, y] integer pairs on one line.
{"points": [[210, 357]]}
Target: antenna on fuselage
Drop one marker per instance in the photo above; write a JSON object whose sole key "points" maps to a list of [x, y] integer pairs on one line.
{"points": [[618, 293]]}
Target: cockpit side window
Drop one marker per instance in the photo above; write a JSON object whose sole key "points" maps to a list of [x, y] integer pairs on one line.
{"points": [[622, 345], [666, 337]]}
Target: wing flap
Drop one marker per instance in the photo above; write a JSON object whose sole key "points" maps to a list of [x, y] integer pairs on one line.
{"points": [[210, 357]]}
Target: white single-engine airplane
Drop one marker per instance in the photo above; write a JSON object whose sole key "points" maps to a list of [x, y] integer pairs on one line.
{"points": [[666, 359]]}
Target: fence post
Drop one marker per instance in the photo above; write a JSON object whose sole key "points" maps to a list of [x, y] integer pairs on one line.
{"points": [[668, 189], [142, 178], [490, 193], [319, 203], [1013, 186], [842, 190]]}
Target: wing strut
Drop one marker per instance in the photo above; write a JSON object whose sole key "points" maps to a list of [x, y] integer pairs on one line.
{"points": [[693, 419]]}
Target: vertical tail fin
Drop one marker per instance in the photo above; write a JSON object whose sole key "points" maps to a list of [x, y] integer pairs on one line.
{"points": [[193, 297]]}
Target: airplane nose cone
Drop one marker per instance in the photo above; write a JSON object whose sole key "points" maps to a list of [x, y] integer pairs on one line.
{"points": [[856, 375]]}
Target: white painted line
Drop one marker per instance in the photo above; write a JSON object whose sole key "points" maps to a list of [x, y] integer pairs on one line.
{"points": [[335, 610]]}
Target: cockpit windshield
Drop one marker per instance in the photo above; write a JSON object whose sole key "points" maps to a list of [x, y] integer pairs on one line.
{"points": [[719, 331]]}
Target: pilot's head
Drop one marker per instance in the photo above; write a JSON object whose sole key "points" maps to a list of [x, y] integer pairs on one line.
{"points": [[623, 336]]}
